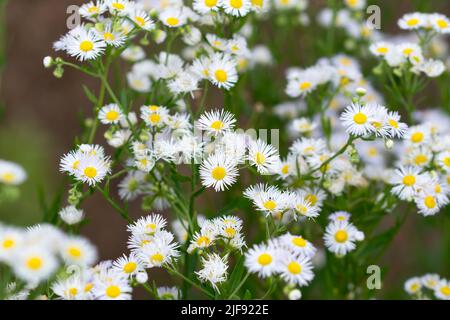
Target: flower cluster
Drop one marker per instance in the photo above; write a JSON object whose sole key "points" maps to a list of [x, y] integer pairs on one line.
{"points": [[428, 286]]}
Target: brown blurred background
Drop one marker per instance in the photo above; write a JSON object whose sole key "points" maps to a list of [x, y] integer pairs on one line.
{"points": [[43, 115]]}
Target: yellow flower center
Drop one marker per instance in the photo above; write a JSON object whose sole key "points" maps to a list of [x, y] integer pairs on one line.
{"points": [[73, 291], [8, 177], [429, 202], [257, 3], [393, 123], [210, 3], [231, 232], [341, 236], [373, 152], [140, 21], [302, 209], [285, 169], [442, 23], [236, 4], [113, 291], [408, 51], [155, 118], [8, 243], [90, 172], [445, 290], [294, 267], [221, 75], [409, 180], [270, 205], [108, 36], [74, 252], [93, 9], [305, 85], [420, 159], [86, 46], [311, 198], [260, 158], [112, 115], [172, 21], [382, 50], [447, 161], [203, 241], [157, 258], [88, 287], [299, 242], [129, 267], [265, 259], [360, 118], [118, 6], [417, 137], [217, 125], [412, 22], [218, 173], [34, 263]]}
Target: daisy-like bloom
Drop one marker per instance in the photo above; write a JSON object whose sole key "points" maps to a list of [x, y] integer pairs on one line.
{"points": [[237, 8], [216, 121], [238, 46], [304, 208], [412, 21], [71, 288], [411, 51], [339, 216], [268, 199], [413, 286], [407, 181], [420, 157], [262, 259], [393, 126], [10, 240], [229, 227], [203, 239], [358, 119], [200, 67], [34, 264], [92, 170], [298, 245], [157, 253], [148, 225], [218, 171], [11, 173], [111, 36], [111, 286], [155, 116], [302, 83], [427, 204], [430, 281], [222, 71], [130, 186], [205, 6], [110, 114], [340, 237], [128, 266], [173, 17], [79, 251], [440, 23], [263, 156], [84, 44], [133, 53], [442, 290], [71, 215], [168, 293], [443, 160], [381, 48], [70, 162], [138, 82], [119, 7], [216, 43], [286, 168], [214, 270], [314, 196], [142, 20], [186, 82], [308, 147], [295, 270], [432, 68], [302, 126], [92, 9], [417, 135]]}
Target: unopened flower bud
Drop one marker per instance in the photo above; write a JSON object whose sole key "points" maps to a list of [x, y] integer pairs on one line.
{"points": [[361, 92], [142, 277], [295, 294], [389, 143], [48, 62]]}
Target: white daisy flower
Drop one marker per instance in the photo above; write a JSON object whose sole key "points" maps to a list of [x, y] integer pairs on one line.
{"points": [[142, 20], [262, 259], [417, 135], [295, 270], [442, 290], [72, 288], [34, 264], [358, 119], [340, 237], [217, 43], [205, 6], [11, 173], [84, 44], [304, 208], [173, 17], [298, 245], [111, 36], [148, 225], [119, 7], [218, 171], [263, 156], [381, 48], [111, 286], [427, 204], [92, 170], [407, 181], [92, 9], [443, 160], [216, 122], [157, 253], [237, 8], [268, 199], [79, 251], [339, 216], [128, 266], [413, 285], [412, 21], [222, 71], [440, 23], [10, 241], [110, 114], [430, 281], [138, 82]]}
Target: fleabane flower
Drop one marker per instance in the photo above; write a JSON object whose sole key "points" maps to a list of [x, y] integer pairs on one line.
{"points": [[381, 48], [262, 260], [413, 285], [142, 20], [407, 181], [92, 9], [268, 199], [263, 156], [111, 286], [119, 7], [340, 237], [298, 245], [214, 270], [357, 119], [237, 8], [84, 44], [412, 21], [92, 169], [296, 270], [222, 71], [216, 122], [110, 114], [205, 6], [173, 17], [79, 251], [11, 173], [442, 290], [34, 264], [218, 171], [440, 23]]}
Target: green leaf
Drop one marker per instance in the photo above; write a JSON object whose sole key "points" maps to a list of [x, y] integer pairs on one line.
{"points": [[90, 95]]}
